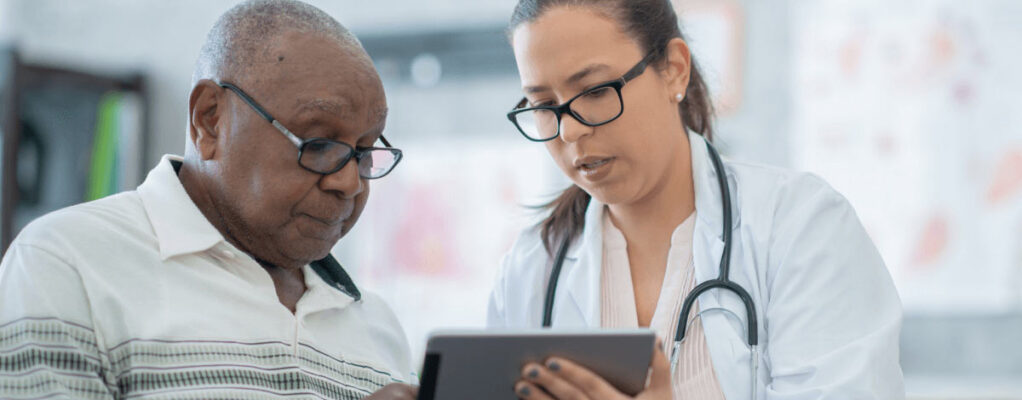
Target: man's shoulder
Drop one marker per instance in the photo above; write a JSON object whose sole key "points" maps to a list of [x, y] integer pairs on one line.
{"points": [[101, 222]]}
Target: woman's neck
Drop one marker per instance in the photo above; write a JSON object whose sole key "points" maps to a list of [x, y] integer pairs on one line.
{"points": [[647, 224]]}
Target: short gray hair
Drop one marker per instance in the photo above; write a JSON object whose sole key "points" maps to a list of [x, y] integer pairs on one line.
{"points": [[245, 31]]}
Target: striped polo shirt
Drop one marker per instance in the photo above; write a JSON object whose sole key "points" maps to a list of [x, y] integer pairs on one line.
{"points": [[137, 295]]}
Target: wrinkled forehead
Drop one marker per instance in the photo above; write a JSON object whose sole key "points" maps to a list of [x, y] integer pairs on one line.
{"points": [[316, 73]]}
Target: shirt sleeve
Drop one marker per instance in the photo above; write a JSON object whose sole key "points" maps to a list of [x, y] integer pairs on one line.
{"points": [[834, 315], [48, 344]]}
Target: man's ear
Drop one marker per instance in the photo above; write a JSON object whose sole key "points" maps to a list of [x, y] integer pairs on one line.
{"points": [[204, 112], [679, 67]]}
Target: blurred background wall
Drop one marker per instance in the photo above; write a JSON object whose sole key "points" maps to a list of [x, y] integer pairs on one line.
{"points": [[909, 108]]}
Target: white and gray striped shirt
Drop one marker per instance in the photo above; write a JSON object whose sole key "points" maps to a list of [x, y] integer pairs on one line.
{"points": [[138, 295]]}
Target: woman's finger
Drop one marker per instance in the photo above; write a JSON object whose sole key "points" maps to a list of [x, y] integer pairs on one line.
{"points": [[590, 384], [660, 377], [525, 390], [553, 384]]}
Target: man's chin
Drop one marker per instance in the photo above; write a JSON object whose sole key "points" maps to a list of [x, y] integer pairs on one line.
{"points": [[309, 250]]}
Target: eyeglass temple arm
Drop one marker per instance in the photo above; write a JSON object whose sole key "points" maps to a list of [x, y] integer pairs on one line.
{"points": [[258, 109], [262, 113], [638, 68]]}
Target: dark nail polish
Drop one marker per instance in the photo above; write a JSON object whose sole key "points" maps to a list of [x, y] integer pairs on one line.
{"points": [[554, 366], [524, 391], [533, 373]]}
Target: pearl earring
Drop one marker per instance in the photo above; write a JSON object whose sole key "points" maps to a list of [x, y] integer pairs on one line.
{"points": [[679, 97]]}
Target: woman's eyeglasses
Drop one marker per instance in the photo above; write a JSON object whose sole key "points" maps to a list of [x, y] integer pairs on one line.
{"points": [[595, 106]]}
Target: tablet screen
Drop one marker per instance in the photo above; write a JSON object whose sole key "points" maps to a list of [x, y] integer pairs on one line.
{"points": [[486, 364]]}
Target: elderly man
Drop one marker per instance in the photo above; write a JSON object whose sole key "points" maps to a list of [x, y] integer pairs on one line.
{"points": [[213, 279]]}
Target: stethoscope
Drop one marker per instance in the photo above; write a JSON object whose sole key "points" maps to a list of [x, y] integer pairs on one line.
{"points": [[722, 281]]}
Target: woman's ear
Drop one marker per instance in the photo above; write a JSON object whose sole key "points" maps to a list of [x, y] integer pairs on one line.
{"points": [[679, 68], [204, 113]]}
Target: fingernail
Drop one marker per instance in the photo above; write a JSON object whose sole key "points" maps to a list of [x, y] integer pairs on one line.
{"points": [[524, 391], [533, 373], [553, 365]]}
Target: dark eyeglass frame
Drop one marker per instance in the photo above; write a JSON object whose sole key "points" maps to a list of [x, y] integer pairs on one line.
{"points": [[356, 153], [565, 108]]}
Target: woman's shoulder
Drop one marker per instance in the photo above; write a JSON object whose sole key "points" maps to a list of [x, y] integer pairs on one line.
{"points": [[784, 186], [527, 247]]}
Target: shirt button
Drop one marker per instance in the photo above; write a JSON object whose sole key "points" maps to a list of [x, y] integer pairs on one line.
{"points": [[227, 254]]}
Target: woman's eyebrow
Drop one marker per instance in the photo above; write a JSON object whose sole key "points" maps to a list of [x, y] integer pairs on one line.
{"points": [[584, 72], [573, 79]]}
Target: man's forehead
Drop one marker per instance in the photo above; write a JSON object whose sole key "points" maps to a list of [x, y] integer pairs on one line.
{"points": [[341, 106]]}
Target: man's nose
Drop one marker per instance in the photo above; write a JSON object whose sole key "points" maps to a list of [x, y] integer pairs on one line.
{"points": [[345, 181]]}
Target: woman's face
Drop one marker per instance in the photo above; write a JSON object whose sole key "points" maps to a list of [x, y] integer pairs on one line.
{"points": [[568, 50]]}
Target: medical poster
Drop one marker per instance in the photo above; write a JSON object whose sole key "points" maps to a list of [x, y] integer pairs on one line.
{"points": [[910, 109], [434, 231]]}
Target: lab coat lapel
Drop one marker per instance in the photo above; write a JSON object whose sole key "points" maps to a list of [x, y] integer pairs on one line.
{"points": [[707, 240], [724, 338], [580, 275]]}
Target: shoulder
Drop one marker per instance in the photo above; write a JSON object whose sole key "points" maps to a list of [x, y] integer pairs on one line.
{"points": [[526, 253], [785, 190], [375, 305], [87, 227]]}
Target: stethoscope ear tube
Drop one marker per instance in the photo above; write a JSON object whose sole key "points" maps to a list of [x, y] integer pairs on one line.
{"points": [[723, 280], [551, 287]]}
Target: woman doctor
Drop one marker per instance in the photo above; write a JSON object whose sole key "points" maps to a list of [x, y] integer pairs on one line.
{"points": [[612, 91]]}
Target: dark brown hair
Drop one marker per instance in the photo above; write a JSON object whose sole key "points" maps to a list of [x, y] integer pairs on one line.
{"points": [[652, 23]]}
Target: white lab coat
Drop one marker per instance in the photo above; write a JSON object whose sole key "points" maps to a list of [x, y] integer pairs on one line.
{"points": [[829, 315]]}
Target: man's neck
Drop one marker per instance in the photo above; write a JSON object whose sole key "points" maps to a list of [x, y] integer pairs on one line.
{"points": [[288, 282]]}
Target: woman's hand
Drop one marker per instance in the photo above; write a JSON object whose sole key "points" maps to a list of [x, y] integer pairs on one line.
{"points": [[395, 391], [565, 380]]}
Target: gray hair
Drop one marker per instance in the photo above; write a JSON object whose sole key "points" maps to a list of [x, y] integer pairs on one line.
{"points": [[244, 33]]}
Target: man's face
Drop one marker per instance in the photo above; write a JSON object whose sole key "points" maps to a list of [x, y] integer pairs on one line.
{"points": [[276, 210]]}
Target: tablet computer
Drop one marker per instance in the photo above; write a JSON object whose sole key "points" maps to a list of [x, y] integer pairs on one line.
{"points": [[486, 364]]}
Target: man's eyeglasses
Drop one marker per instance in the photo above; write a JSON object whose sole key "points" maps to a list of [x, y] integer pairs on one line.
{"points": [[325, 156], [595, 106]]}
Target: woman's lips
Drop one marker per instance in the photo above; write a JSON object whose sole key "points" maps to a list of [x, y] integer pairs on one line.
{"points": [[594, 168]]}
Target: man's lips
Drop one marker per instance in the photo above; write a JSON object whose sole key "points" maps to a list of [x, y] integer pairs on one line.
{"points": [[329, 221], [331, 218]]}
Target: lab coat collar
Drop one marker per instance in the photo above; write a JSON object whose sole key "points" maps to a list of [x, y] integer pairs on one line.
{"points": [[179, 225], [583, 266], [709, 207]]}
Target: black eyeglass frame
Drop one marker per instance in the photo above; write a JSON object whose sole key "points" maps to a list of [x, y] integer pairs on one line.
{"points": [[565, 108], [356, 153]]}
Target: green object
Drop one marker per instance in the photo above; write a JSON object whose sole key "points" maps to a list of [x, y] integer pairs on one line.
{"points": [[103, 179]]}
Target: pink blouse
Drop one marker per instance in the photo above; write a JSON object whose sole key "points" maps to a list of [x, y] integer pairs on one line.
{"points": [[694, 378]]}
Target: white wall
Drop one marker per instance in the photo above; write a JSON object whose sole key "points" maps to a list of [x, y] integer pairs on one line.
{"points": [[163, 38]]}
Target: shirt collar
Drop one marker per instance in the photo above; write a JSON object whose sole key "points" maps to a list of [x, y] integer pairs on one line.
{"points": [[179, 225], [331, 272], [182, 229]]}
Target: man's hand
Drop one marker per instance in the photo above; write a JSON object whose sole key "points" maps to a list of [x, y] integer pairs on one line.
{"points": [[563, 379], [395, 391]]}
